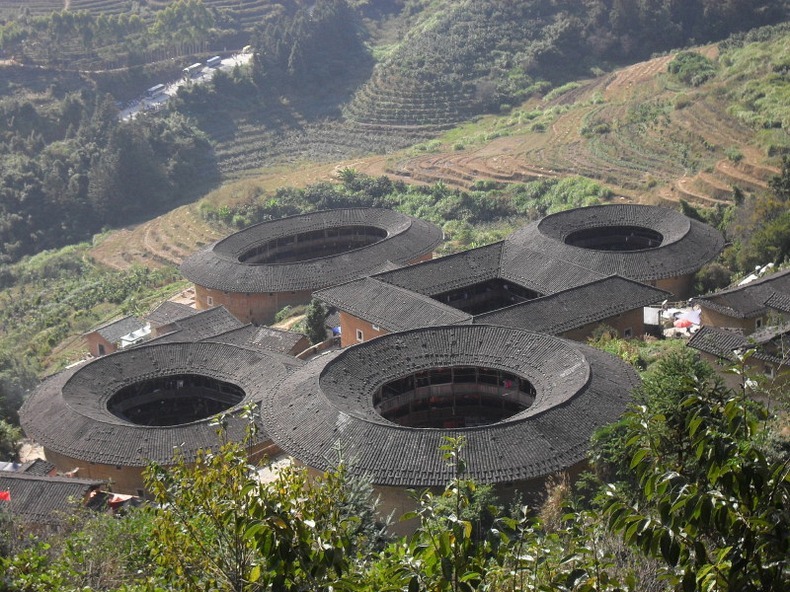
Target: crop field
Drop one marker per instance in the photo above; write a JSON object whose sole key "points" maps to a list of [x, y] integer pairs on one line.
{"points": [[12, 8], [246, 14]]}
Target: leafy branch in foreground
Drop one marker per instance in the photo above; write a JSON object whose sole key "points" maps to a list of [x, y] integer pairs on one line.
{"points": [[717, 516], [218, 526]]}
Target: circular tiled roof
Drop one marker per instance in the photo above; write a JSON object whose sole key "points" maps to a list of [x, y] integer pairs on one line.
{"points": [[68, 413], [219, 266], [330, 401], [685, 245]]}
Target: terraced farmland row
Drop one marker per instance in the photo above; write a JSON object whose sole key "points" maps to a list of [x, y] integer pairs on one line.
{"points": [[244, 148], [13, 8], [99, 6], [165, 240], [246, 13], [401, 101]]}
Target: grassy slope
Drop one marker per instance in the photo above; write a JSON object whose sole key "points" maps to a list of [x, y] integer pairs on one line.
{"points": [[666, 141]]}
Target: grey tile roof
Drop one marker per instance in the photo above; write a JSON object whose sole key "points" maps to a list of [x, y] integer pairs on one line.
{"points": [[448, 273], [266, 338], [169, 312], [330, 400], [201, 325], [576, 307], [722, 342], [43, 500], [686, 246], [68, 412], [390, 307], [753, 299], [219, 267], [401, 299], [542, 272], [114, 330], [37, 466], [780, 302]]}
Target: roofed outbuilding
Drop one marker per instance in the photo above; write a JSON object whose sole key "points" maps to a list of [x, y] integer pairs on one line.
{"points": [[749, 307], [42, 502], [117, 335]]}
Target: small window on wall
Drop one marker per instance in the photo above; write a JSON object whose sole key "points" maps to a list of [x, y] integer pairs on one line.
{"points": [[628, 333], [360, 335], [758, 323], [210, 300], [101, 349]]}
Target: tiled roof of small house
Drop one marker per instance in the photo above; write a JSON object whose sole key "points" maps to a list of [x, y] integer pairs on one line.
{"points": [[754, 299], [685, 244], [219, 266], [69, 413], [401, 299], [391, 307], [330, 401], [201, 325], [114, 330], [576, 307], [37, 466], [780, 302], [542, 272], [722, 342], [169, 312], [266, 338], [43, 500], [448, 273]]}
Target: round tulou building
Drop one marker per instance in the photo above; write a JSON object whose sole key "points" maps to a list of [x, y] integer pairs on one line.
{"points": [[256, 272], [656, 246], [110, 418], [526, 404]]}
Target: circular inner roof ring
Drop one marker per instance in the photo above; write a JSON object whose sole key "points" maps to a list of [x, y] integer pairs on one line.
{"points": [[219, 266], [671, 225], [330, 401], [686, 245], [68, 412]]}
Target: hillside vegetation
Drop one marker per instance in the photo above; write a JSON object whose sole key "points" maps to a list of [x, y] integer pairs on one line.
{"points": [[336, 80], [640, 131]]}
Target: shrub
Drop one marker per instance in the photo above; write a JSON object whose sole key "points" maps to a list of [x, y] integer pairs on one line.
{"points": [[692, 68]]}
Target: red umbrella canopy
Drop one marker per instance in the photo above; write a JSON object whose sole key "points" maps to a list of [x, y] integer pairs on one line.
{"points": [[683, 323]]}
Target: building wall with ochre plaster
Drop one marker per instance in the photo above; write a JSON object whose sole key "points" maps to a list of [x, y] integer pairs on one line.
{"points": [[349, 327], [712, 318], [94, 340], [629, 324], [122, 479], [258, 309], [681, 286]]}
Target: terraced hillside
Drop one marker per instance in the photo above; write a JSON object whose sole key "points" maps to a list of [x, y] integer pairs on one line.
{"points": [[245, 14], [12, 8], [635, 129]]}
